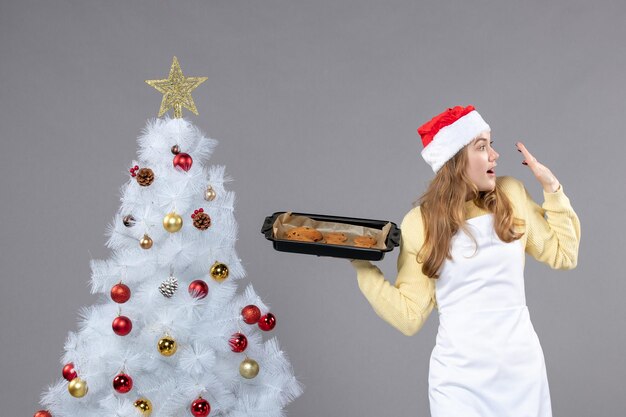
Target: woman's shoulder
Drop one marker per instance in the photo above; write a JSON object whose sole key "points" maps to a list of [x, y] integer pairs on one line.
{"points": [[412, 229], [509, 184], [413, 216], [515, 191], [512, 187], [413, 220]]}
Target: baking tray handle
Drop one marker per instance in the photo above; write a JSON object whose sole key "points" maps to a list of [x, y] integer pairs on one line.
{"points": [[394, 235], [268, 224]]}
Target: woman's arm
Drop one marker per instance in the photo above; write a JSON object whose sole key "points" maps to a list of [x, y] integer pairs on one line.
{"points": [[553, 239], [407, 304]]}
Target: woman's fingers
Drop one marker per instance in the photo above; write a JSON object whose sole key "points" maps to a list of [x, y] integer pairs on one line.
{"points": [[541, 172], [528, 158]]}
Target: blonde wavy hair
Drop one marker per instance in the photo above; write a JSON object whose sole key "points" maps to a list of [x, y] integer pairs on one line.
{"points": [[442, 208]]}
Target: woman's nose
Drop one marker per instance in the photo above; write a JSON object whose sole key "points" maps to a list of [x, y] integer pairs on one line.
{"points": [[494, 155]]}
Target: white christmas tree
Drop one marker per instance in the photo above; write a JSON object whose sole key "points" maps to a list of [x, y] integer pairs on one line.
{"points": [[170, 336]]}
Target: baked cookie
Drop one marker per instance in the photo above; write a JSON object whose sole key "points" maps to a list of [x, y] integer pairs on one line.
{"points": [[304, 234], [335, 238], [364, 241]]}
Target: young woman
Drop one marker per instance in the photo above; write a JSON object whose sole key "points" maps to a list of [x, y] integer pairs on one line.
{"points": [[463, 252]]}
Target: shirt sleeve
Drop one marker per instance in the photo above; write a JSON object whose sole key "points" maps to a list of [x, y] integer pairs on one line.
{"points": [[407, 304], [553, 230]]}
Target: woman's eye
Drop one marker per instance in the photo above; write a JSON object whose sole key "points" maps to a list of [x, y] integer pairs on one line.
{"points": [[482, 147]]}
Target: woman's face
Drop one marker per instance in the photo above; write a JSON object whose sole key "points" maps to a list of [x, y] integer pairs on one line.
{"points": [[481, 158]]}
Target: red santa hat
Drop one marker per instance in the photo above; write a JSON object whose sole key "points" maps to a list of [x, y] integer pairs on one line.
{"points": [[447, 133]]}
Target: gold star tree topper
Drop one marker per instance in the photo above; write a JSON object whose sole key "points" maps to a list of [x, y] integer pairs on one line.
{"points": [[177, 90]]}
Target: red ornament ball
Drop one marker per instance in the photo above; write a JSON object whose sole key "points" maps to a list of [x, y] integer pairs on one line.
{"points": [[238, 342], [198, 289], [267, 322], [200, 407], [122, 325], [251, 314], [42, 413], [69, 372], [120, 293], [122, 383], [183, 161]]}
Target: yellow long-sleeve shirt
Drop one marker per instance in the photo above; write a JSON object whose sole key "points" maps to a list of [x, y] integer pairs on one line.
{"points": [[552, 239]]}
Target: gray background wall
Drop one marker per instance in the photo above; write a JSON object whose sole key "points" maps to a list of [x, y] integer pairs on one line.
{"points": [[316, 105]]}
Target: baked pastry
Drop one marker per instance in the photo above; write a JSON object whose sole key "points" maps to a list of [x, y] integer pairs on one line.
{"points": [[304, 234], [335, 238], [364, 241]]}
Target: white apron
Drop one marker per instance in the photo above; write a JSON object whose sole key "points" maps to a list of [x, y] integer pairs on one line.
{"points": [[487, 361]]}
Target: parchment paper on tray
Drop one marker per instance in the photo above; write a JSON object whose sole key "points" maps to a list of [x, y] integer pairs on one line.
{"points": [[287, 221]]}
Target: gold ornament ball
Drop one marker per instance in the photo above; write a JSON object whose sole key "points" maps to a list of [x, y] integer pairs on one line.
{"points": [[145, 242], [172, 222], [210, 194], [219, 271], [77, 388], [249, 368], [144, 406], [167, 346]]}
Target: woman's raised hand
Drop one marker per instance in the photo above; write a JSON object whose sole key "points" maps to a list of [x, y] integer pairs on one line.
{"points": [[547, 179]]}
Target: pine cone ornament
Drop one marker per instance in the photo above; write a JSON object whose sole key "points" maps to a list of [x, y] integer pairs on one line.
{"points": [[145, 177], [128, 220], [168, 287], [201, 220]]}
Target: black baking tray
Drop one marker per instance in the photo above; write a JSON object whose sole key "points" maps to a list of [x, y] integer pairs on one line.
{"points": [[335, 251]]}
